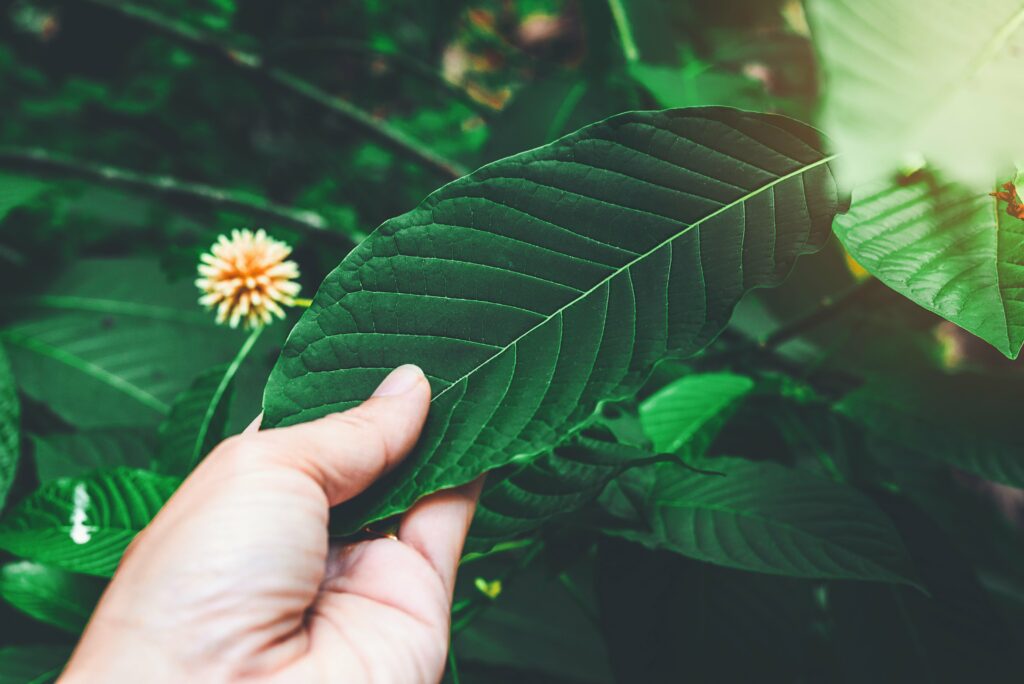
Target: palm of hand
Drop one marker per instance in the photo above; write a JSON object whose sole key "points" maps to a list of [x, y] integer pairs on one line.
{"points": [[235, 578]]}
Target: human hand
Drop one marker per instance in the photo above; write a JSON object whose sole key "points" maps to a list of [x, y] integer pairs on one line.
{"points": [[235, 579]]}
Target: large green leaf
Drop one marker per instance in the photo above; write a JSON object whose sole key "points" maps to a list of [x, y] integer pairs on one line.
{"points": [[84, 524], [51, 595], [542, 284], [953, 252], [768, 518], [683, 417], [112, 342], [10, 428], [903, 80], [32, 664], [73, 454], [979, 432]]}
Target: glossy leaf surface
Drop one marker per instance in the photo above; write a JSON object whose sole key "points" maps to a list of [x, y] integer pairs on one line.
{"points": [[545, 283]]}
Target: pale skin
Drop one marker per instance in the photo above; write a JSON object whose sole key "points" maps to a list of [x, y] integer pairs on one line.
{"points": [[235, 579]]}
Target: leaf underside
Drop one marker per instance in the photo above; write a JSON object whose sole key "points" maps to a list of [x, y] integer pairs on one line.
{"points": [[545, 283], [951, 251]]}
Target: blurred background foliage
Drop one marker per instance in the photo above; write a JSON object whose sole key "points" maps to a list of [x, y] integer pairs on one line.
{"points": [[133, 134]]}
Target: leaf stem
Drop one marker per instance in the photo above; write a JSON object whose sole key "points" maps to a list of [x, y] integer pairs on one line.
{"points": [[622, 23], [829, 309], [254, 64], [219, 393], [47, 164]]}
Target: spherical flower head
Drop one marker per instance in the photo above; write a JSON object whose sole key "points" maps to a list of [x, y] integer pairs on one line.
{"points": [[247, 278]]}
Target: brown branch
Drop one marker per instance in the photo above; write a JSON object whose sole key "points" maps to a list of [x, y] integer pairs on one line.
{"points": [[255, 65]]}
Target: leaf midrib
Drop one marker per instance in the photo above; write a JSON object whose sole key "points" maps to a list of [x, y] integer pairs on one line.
{"points": [[88, 368], [640, 257]]}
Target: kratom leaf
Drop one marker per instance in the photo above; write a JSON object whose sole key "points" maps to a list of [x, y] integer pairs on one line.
{"points": [[979, 433], [83, 524], [32, 664], [199, 415], [545, 283], [51, 595], [553, 485], [10, 428], [903, 81], [951, 251], [112, 342], [765, 517], [73, 454], [684, 417]]}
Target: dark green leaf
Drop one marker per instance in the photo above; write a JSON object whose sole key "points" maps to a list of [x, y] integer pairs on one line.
{"points": [[112, 342], [979, 432], [51, 595], [74, 454], [32, 664], [83, 524], [10, 428], [553, 485], [768, 518], [542, 284]]}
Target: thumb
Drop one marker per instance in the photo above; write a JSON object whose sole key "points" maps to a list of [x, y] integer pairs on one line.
{"points": [[346, 452]]}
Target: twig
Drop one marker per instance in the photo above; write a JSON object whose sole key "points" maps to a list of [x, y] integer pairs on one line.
{"points": [[47, 164], [250, 62], [828, 310], [404, 61]]}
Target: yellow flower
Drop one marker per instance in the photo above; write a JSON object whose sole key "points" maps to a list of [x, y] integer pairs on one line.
{"points": [[247, 278]]}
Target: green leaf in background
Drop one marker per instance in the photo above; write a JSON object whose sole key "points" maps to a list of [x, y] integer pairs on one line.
{"points": [[765, 517], [553, 485], [951, 251], [10, 428], [56, 597], [84, 524], [112, 342], [199, 415], [979, 433], [17, 190], [542, 284], [904, 82], [32, 664], [698, 83], [74, 454], [684, 417]]}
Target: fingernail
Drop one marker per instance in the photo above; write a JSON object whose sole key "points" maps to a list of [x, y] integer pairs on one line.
{"points": [[399, 381]]}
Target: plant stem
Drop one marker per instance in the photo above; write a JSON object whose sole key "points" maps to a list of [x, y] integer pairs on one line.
{"points": [[829, 309], [43, 163], [629, 48], [453, 667], [254, 64], [404, 61], [480, 601]]}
